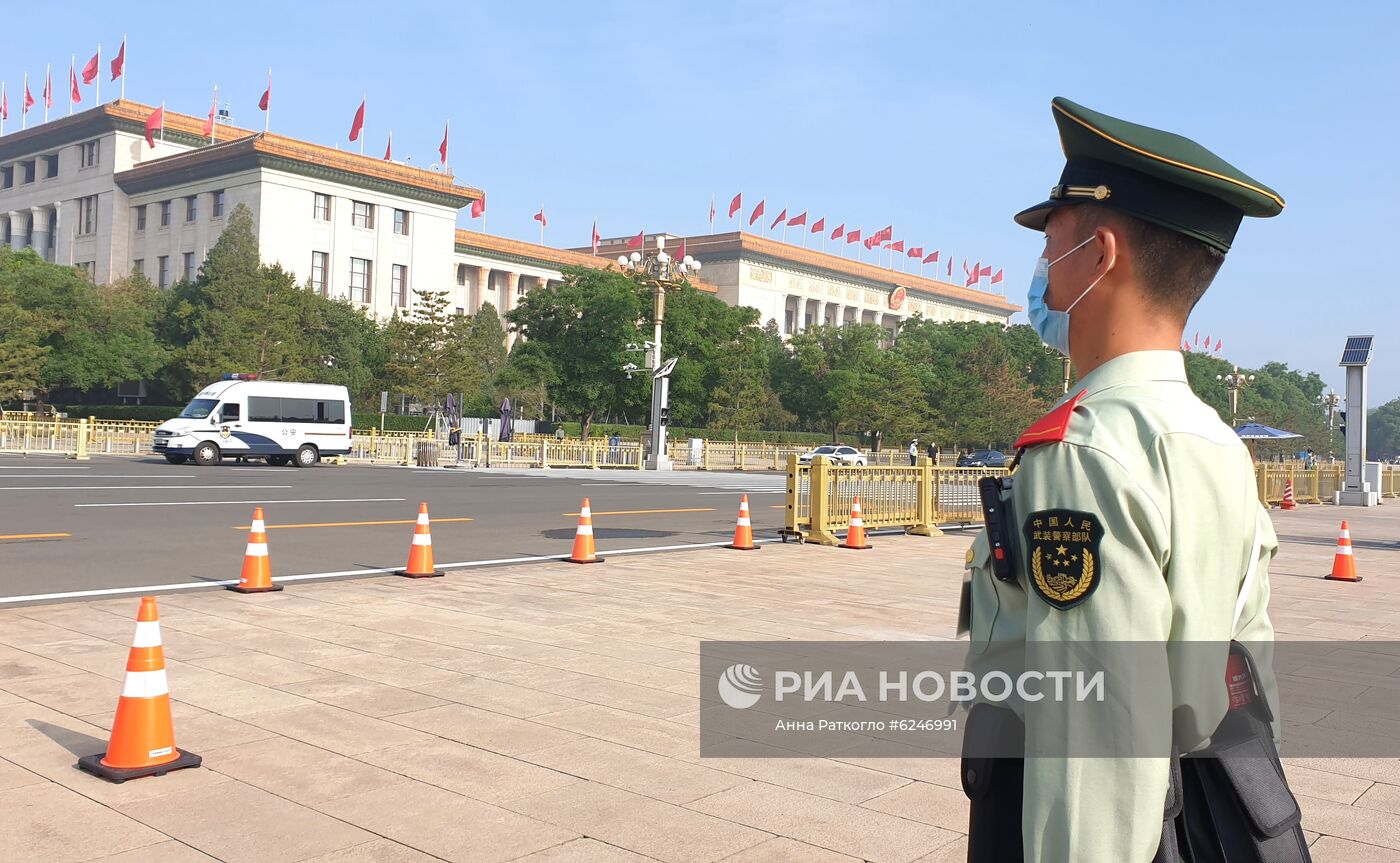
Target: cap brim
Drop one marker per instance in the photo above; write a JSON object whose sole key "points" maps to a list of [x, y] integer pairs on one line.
{"points": [[1036, 217]]}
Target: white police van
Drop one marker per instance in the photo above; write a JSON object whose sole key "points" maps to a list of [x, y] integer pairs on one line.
{"points": [[242, 417]]}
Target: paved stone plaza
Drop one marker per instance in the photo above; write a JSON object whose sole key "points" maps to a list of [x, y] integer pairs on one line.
{"points": [[548, 713]]}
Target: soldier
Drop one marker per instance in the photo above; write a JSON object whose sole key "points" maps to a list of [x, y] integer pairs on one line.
{"points": [[1168, 542]]}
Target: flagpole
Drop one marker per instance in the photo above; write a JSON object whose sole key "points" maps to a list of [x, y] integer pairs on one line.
{"points": [[213, 120], [23, 104], [542, 218], [72, 80], [123, 96], [267, 115], [162, 121], [98, 79], [4, 100], [48, 85], [364, 101]]}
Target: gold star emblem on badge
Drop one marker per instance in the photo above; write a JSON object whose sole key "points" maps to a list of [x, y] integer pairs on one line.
{"points": [[1062, 550]]}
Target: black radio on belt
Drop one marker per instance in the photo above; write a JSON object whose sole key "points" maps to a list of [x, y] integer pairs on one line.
{"points": [[996, 510]]}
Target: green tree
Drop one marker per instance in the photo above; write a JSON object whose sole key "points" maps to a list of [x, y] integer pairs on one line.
{"points": [[583, 325], [888, 399], [527, 380], [1383, 431], [474, 354], [22, 338], [703, 331], [823, 370], [418, 348], [742, 398]]}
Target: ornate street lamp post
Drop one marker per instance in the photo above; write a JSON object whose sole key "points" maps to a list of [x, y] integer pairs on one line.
{"points": [[1235, 382], [661, 273]]}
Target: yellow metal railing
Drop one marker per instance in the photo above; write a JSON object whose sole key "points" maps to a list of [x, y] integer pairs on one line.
{"points": [[917, 497]]}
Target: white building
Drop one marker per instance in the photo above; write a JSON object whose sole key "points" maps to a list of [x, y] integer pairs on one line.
{"points": [[800, 287], [87, 190]]}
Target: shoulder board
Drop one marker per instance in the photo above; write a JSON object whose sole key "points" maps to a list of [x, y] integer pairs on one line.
{"points": [[1052, 427]]}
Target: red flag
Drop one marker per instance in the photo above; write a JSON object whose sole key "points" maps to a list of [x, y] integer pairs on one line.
{"points": [[798, 220], [28, 98], [965, 269], [540, 217], [4, 103], [267, 94], [1197, 339], [997, 278], [736, 205], [389, 148], [442, 148], [886, 234], [74, 93], [155, 121], [950, 266], [90, 70], [596, 236], [819, 225], [853, 236], [839, 231], [1218, 343], [985, 271], [872, 241], [1207, 341], [712, 211], [778, 221], [209, 121], [48, 88], [681, 255], [896, 247], [932, 258], [1186, 346], [479, 207], [358, 124], [637, 241], [119, 61], [971, 280], [916, 252], [757, 211]]}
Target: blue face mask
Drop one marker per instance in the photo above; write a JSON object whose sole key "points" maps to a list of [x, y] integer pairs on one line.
{"points": [[1051, 325]]}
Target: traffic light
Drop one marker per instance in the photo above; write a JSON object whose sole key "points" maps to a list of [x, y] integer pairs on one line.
{"points": [[1342, 423], [665, 416]]}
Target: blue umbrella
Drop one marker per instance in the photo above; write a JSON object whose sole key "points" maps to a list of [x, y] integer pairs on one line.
{"points": [[1259, 431]]}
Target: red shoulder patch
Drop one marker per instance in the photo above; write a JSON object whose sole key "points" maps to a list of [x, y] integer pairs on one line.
{"points": [[1052, 427]]}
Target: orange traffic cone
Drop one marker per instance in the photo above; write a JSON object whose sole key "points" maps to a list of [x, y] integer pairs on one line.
{"points": [[743, 530], [584, 549], [143, 736], [1288, 502], [257, 566], [855, 536], [1343, 564], [420, 554]]}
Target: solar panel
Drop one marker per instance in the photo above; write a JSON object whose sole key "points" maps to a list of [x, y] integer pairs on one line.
{"points": [[1358, 351]]}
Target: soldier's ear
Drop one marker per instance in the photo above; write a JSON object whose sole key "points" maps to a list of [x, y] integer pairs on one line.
{"points": [[1108, 242]]}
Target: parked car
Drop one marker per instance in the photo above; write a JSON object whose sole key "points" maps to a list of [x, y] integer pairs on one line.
{"points": [[837, 453], [982, 458]]}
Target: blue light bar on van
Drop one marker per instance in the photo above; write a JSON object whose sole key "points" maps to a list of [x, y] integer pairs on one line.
{"points": [[232, 376]]}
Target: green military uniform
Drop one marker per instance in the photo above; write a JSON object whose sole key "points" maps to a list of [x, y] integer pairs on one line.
{"points": [[1136, 517]]}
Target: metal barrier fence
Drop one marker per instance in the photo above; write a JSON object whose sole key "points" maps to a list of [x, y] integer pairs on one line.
{"points": [[919, 497]]}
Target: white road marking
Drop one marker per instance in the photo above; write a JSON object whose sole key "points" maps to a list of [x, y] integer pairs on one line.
{"points": [[121, 487], [104, 476], [748, 490], [38, 467], [186, 585], [263, 501]]}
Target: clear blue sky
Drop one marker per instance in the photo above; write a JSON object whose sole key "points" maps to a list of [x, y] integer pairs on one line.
{"points": [[932, 116]]}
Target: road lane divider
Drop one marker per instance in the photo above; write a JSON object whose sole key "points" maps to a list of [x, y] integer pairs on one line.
{"points": [[640, 511], [350, 523], [35, 536], [246, 502], [124, 487]]}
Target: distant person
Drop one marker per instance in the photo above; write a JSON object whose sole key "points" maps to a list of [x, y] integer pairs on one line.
{"points": [[559, 434], [614, 444], [914, 452], [933, 453]]}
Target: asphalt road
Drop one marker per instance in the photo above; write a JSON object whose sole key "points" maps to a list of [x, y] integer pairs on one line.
{"points": [[78, 528]]}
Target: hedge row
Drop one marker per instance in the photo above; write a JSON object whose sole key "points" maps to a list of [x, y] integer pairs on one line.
{"points": [[682, 432]]}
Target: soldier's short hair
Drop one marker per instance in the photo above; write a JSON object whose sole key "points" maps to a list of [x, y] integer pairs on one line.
{"points": [[1175, 269]]}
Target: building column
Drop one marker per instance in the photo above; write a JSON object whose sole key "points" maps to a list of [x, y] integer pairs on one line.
{"points": [[507, 304], [19, 230], [478, 296], [821, 313], [40, 223], [840, 316]]}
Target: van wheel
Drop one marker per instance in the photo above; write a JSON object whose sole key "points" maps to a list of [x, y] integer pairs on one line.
{"points": [[175, 458], [307, 456], [278, 460], [207, 454]]}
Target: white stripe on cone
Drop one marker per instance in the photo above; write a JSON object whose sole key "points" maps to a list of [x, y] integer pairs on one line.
{"points": [[422, 518], [586, 512], [857, 522], [145, 684], [422, 539], [259, 527], [1344, 550], [147, 634], [256, 549], [744, 521], [585, 529]]}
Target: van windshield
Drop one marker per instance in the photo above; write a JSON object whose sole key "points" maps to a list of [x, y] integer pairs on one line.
{"points": [[198, 409]]}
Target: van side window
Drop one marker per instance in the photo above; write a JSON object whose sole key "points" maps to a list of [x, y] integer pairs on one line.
{"points": [[330, 412], [229, 413], [262, 409], [298, 411]]}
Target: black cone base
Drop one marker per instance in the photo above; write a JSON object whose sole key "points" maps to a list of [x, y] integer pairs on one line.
{"points": [[93, 764]]}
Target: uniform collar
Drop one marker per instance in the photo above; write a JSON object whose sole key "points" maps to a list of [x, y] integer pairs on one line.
{"points": [[1134, 368]]}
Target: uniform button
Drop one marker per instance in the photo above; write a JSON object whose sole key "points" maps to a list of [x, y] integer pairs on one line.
{"points": [[971, 777]]}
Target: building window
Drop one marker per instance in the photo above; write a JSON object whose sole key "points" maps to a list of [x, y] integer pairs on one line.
{"points": [[87, 154], [87, 215], [163, 271], [217, 211], [165, 214], [362, 215], [398, 285], [461, 312], [189, 266], [50, 166], [138, 267], [7, 177], [191, 207], [27, 169], [319, 262], [87, 268], [461, 274], [401, 222], [141, 218], [361, 275], [323, 207]]}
